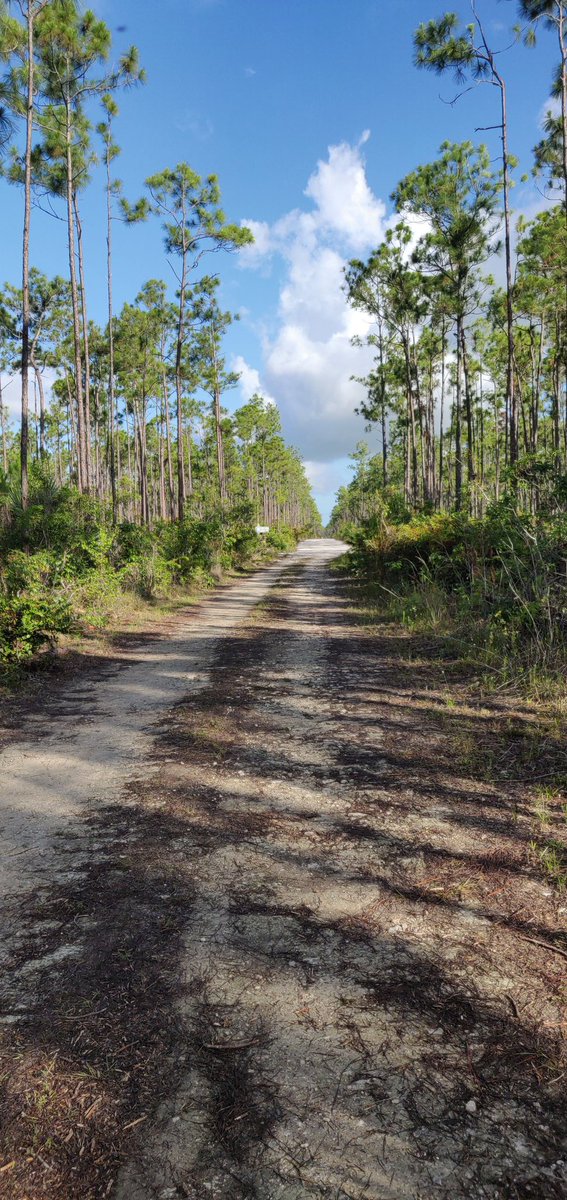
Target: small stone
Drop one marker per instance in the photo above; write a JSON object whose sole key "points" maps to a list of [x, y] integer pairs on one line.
{"points": [[471, 1106]]}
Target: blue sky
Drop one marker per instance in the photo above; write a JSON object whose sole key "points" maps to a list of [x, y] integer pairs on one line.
{"points": [[309, 111]]}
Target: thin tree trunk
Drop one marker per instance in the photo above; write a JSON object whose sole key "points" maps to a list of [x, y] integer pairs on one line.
{"points": [[161, 453], [412, 449], [83, 478], [441, 416], [24, 433], [72, 427], [383, 405], [458, 405], [111, 398], [4, 431], [510, 379], [511, 398], [169, 449], [181, 481], [41, 390], [563, 54], [471, 473], [218, 426], [482, 453], [87, 361]]}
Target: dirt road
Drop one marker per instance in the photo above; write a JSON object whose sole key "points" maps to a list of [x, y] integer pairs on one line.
{"points": [[271, 943]]}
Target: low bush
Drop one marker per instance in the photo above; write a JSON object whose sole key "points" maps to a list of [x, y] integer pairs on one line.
{"points": [[281, 539], [498, 582], [62, 561], [28, 622]]}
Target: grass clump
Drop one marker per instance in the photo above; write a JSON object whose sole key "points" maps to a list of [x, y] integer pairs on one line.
{"points": [[494, 588]]}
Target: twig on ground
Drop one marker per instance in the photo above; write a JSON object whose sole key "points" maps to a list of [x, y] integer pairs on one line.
{"points": [[544, 945]]}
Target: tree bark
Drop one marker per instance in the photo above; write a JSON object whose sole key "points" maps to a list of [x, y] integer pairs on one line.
{"points": [[87, 360], [82, 480], [24, 432], [111, 397]]}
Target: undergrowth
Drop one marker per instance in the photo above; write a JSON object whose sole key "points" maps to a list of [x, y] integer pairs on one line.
{"points": [[493, 591], [64, 566], [487, 598]]}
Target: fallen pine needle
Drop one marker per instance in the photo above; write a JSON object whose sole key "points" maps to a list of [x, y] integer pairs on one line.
{"points": [[7, 1166], [545, 945], [93, 1107], [231, 1045], [138, 1121]]}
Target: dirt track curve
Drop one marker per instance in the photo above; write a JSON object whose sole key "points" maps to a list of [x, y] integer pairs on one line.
{"points": [[261, 940]]}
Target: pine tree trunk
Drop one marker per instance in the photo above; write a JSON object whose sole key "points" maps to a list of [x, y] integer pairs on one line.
{"points": [[441, 417], [41, 390], [471, 473], [24, 432], [512, 398], [4, 431], [87, 360], [458, 406], [181, 481], [82, 433], [383, 405], [161, 453], [169, 450], [111, 397]]}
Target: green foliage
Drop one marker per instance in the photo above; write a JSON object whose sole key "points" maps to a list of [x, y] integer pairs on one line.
{"points": [[32, 607], [76, 565], [281, 539], [497, 582], [28, 622]]}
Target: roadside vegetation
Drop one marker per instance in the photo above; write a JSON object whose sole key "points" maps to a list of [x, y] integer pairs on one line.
{"points": [[460, 520], [125, 474], [65, 565], [458, 525]]}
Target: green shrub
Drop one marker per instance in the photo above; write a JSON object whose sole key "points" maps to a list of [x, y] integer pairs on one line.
{"points": [[28, 622], [497, 582], [133, 542], [147, 575], [21, 572], [76, 565], [282, 538]]}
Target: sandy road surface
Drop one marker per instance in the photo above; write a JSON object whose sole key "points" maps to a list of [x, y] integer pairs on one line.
{"points": [[288, 960], [86, 742]]}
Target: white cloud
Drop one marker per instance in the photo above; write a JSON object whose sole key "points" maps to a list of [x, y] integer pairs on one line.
{"points": [[261, 248], [309, 362], [551, 106], [193, 122], [345, 203], [12, 392], [249, 383], [325, 478]]}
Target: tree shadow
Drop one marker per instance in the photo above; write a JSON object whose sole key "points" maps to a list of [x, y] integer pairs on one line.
{"points": [[111, 1028]]}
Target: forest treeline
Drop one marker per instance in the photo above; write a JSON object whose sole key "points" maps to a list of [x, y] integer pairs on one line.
{"points": [[125, 462], [462, 512]]}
